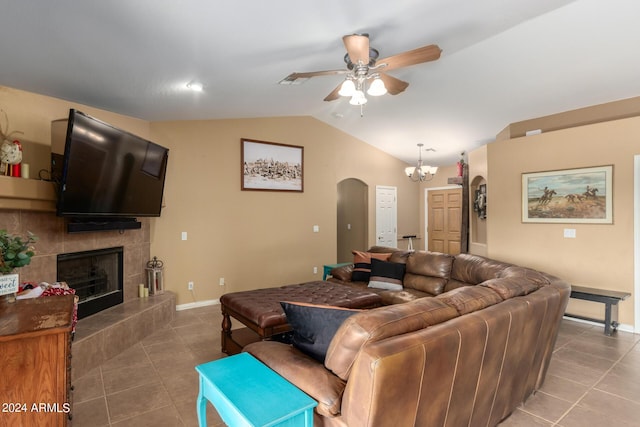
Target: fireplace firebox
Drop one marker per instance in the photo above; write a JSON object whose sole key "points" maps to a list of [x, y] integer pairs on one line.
{"points": [[96, 276]]}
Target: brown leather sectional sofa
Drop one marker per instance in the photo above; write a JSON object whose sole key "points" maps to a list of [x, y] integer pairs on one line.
{"points": [[465, 342]]}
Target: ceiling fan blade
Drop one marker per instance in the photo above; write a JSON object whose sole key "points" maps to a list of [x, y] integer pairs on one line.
{"points": [[394, 86], [294, 76], [357, 48], [334, 94], [411, 57]]}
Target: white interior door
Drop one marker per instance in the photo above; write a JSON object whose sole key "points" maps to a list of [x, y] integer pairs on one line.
{"points": [[386, 216]]}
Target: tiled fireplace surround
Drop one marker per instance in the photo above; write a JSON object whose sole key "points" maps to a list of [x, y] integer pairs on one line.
{"points": [[103, 335]]}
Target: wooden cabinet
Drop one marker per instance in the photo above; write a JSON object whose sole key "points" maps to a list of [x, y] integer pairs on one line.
{"points": [[35, 361]]}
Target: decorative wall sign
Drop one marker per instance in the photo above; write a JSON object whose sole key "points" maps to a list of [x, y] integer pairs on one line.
{"points": [[268, 166], [9, 284], [568, 196]]}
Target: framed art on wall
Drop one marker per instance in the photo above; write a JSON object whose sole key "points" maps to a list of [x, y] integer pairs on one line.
{"points": [[581, 195], [269, 166]]}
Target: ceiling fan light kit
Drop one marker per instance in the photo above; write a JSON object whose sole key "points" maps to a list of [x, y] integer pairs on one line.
{"points": [[420, 173], [355, 90]]}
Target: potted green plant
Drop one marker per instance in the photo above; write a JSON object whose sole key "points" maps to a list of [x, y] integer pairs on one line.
{"points": [[15, 252]]}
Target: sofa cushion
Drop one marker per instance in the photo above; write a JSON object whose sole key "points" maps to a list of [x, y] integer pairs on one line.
{"points": [[399, 256], [314, 325], [428, 271], [526, 274], [510, 287], [380, 323], [342, 274], [400, 297], [302, 371], [386, 275], [470, 298], [474, 269], [362, 264]]}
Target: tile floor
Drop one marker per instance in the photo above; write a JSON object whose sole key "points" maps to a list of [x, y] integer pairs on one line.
{"points": [[593, 380]]}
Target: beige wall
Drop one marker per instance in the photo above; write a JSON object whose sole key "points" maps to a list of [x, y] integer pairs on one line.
{"points": [[252, 239], [255, 239], [258, 239], [478, 175], [600, 256], [352, 213], [32, 114]]}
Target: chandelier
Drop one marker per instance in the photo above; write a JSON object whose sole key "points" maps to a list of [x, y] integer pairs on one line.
{"points": [[421, 172], [356, 82]]}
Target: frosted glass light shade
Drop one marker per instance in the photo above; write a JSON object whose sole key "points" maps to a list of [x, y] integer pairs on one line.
{"points": [[377, 88], [358, 98], [348, 88]]}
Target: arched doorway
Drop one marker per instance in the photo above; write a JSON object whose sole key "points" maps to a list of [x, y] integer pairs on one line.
{"points": [[352, 214]]}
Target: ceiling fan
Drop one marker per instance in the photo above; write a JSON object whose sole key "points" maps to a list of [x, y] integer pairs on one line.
{"points": [[364, 69]]}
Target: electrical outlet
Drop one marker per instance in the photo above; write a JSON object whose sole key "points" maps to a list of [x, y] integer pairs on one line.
{"points": [[190, 286], [221, 281], [315, 270]]}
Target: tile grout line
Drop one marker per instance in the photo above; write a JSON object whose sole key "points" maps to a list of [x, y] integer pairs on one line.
{"points": [[593, 387], [104, 395], [574, 404]]}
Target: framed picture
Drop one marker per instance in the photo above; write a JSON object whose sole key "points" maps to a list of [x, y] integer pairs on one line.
{"points": [[268, 166], [568, 196]]}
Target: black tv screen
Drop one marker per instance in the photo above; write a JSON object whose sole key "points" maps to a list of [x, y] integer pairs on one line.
{"points": [[108, 172]]}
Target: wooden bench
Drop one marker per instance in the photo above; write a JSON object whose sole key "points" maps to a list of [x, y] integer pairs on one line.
{"points": [[609, 298]]}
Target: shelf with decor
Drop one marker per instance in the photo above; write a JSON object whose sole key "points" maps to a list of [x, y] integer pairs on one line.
{"points": [[27, 194]]}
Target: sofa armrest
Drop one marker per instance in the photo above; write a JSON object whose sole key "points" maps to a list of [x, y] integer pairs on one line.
{"points": [[304, 372]]}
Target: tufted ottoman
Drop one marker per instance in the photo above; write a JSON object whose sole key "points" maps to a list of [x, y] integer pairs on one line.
{"points": [[260, 309]]}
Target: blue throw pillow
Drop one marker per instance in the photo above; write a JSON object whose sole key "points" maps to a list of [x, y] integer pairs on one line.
{"points": [[314, 326]]}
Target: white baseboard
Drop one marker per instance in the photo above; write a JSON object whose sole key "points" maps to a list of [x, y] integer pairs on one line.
{"points": [[621, 327], [197, 304]]}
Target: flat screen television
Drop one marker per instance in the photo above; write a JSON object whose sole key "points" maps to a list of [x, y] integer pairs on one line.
{"points": [[109, 174]]}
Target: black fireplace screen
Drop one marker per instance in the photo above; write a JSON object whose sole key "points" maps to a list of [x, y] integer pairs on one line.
{"points": [[96, 277]]}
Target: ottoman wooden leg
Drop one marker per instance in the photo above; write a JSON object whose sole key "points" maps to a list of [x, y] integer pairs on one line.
{"points": [[225, 337]]}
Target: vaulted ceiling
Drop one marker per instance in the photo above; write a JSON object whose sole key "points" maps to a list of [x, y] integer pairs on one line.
{"points": [[502, 61]]}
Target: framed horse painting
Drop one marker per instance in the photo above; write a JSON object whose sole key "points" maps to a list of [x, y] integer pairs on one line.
{"points": [[581, 195]]}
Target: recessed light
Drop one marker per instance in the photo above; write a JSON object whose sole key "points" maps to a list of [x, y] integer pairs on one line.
{"points": [[195, 86]]}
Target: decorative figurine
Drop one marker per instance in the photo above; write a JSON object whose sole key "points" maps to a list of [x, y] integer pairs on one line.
{"points": [[11, 156], [10, 152]]}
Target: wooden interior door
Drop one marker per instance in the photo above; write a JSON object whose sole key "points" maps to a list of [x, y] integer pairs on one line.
{"points": [[445, 220]]}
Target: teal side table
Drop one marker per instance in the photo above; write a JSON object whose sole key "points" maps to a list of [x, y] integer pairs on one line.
{"points": [[245, 392], [329, 267]]}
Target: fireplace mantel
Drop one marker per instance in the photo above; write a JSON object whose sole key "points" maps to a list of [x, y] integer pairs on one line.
{"points": [[27, 194]]}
